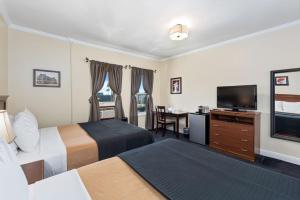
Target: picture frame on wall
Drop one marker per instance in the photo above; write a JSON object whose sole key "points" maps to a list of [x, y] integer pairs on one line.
{"points": [[46, 78], [282, 80], [176, 85]]}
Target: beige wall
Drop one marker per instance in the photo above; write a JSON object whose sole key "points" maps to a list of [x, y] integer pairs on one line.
{"points": [[247, 61], [27, 52], [68, 104], [3, 57]]}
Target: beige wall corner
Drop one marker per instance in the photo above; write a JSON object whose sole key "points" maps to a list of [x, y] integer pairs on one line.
{"points": [[3, 58], [68, 104]]}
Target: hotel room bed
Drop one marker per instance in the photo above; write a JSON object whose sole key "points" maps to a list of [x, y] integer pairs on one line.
{"points": [[287, 123], [170, 169], [72, 146]]}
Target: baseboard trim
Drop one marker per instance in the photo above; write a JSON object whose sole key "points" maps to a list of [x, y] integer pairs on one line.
{"points": [[280, 156]]}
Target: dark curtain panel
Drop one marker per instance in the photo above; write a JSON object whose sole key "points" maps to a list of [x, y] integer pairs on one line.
{"points": [[115, 73], [136, 77], [98, 72], [148, 87]]}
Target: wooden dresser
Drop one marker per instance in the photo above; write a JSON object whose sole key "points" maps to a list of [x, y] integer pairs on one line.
{"points": [[235, 133]]}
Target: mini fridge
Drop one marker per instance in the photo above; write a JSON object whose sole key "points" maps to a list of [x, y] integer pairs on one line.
{"points": [[199, 128]]}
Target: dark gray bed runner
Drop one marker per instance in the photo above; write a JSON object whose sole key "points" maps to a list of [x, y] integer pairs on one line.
{"points": [[181, 170], [115, 136]]}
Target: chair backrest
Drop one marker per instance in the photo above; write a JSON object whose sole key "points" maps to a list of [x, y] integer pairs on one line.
{"points": [[160, 113]]}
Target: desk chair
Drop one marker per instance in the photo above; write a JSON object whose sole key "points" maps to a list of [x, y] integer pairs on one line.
{"points": [[162, 121]]}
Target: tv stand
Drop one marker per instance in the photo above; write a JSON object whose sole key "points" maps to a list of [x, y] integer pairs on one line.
{"points": [[235, 133], [237, 110]]}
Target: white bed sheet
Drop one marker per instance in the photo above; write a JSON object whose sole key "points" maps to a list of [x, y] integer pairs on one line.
{"points": [[65, 186], [51, 149]]}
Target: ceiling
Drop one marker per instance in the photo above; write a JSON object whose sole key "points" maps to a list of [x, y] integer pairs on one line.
{"points": [[141, 26]]}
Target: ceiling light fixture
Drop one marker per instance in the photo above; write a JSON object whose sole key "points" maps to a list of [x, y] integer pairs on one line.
{"points": [[178, 32]]}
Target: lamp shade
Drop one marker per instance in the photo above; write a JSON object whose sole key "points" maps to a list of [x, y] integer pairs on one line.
{"points": [[6, 132]]}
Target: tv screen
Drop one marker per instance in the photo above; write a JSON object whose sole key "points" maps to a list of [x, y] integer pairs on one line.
{"points": [[237, 97]]}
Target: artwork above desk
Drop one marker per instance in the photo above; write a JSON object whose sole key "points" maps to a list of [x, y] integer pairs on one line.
{"points": [[175, 114]]}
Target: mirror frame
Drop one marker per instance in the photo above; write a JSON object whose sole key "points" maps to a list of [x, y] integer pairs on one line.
{"points": [[272, 102]]}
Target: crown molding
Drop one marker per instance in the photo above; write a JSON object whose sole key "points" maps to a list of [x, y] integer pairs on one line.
{"points": [[244, 37], [106, 47], [139, 54]]}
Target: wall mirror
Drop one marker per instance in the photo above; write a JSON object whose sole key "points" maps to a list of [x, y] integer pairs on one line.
{"points": [[285, 104]]}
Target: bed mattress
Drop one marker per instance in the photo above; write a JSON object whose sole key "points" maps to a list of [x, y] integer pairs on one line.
{"points": [[51, 149], [172, 169]]}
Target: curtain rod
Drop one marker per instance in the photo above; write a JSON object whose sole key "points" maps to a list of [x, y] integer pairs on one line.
{"points": [[125, 67]]}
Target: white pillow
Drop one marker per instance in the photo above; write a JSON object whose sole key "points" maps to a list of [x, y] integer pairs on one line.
{"points": [[27, 134], [13, 183], [291, 107], [278, 106], [32, 117], [11, 119]]}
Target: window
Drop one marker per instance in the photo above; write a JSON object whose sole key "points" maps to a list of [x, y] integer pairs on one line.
{"points": [[105, 95], [141, 99]]}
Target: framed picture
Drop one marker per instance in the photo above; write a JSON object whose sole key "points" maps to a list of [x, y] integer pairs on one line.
{"points": [[282, 80], [176, 85], [46, 78]]}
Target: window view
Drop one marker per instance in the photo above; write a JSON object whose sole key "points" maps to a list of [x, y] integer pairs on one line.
{"points": [[141, 99], [105, 95]]}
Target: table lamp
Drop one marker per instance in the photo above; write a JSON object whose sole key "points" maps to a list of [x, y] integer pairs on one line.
{"points": [[6, 132]]}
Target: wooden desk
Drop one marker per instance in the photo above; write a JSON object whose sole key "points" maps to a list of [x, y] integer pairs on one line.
{"points": [[175, 114]]}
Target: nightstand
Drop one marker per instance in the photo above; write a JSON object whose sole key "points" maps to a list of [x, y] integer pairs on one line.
{"points": [[34, 171]]}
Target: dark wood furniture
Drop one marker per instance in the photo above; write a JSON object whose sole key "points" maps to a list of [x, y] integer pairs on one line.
{"points": [[3, 100], [235, 133], [177, 115], [161, 119], [34, 171]]}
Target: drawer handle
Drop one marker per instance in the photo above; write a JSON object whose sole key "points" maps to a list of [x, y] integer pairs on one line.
{"points": [[217, 134], [216, 142], [216, 125], [244, 150], [244, 130], [244, 140]]}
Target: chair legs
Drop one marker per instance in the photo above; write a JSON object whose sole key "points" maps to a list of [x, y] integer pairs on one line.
{"points": [[164, 127]]}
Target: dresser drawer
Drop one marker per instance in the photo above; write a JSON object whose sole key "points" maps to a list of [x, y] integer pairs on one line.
{"points": [[232, 140], [238, 136], [243, 151], [215, 124]]}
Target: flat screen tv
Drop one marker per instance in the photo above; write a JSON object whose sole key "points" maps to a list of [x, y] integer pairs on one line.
{"points": [[243, 97]]}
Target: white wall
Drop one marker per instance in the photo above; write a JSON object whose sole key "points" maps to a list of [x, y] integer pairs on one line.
{"points": [[3, 57], [246, 61], [294, 84], [68, 104]]}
